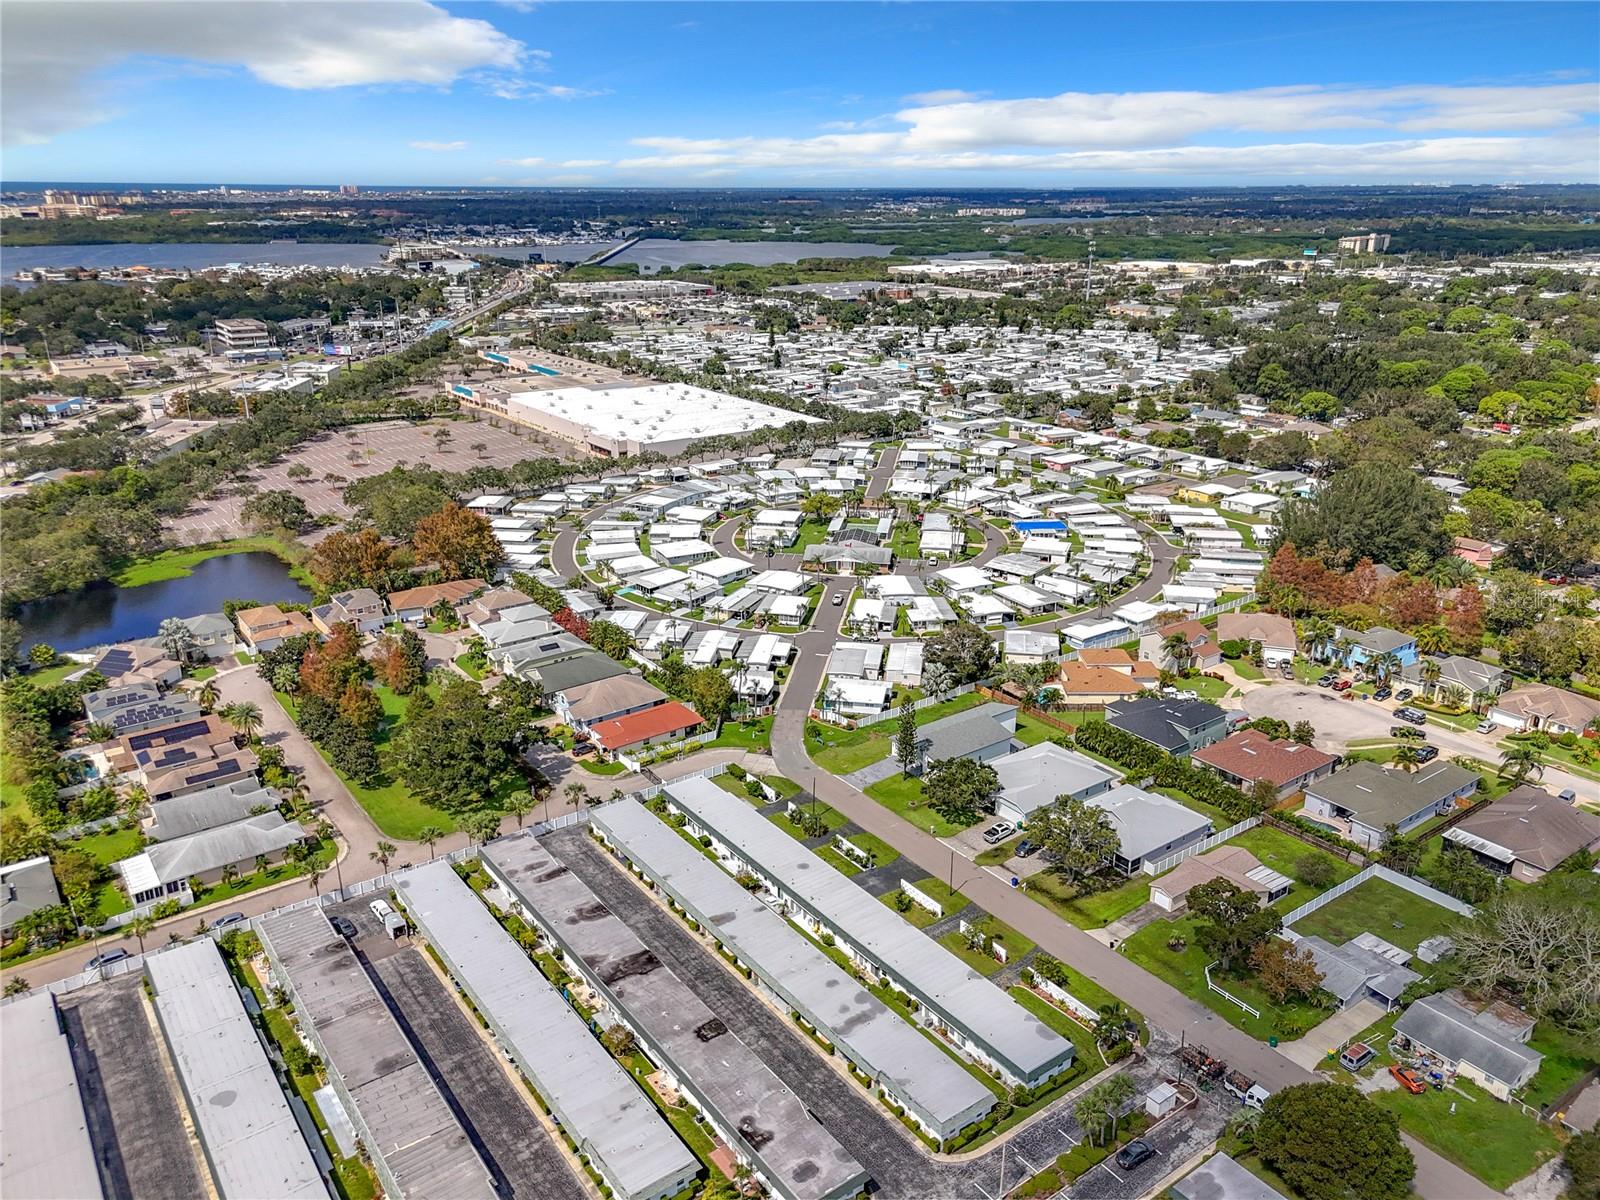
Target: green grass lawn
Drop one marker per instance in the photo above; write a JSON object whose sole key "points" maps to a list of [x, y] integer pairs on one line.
{"points": [[390, 804], [1031, 731], [473, 664], [812, 533], [1205, 689], [842, 751], [882, 853], [955, 942], [51, 676], [1496, 1142], [754, 735], [904, 796], [598, 767], [1284, 853], [201, 674], [1246, 669], [1095, 909], [251, 881], [995, 855], [1566, 1057], [109, 845], [784, 787], [936, 890], [833, 819], [1185, 970], [1378, 906], [1560, 757], [178, 564]]}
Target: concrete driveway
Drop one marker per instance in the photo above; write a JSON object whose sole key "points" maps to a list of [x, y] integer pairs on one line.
{"points": [[1338, 1029]]}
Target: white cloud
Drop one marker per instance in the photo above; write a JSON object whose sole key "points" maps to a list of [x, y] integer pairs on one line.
{"points": [[517, 88], [582, 164], [439, 147], [54, 57], [522, 162], [940, 96], [1490, 132]]}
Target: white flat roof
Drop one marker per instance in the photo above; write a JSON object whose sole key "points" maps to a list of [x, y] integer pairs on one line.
{"points": [[45, 1150], [598, 1102], [657, 412], [937, 977]]}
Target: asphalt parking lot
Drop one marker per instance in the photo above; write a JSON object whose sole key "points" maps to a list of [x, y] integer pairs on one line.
{"points": [[134, 1112], [357, 453], [900, 1166], [1336, 720], [497, 1117]]}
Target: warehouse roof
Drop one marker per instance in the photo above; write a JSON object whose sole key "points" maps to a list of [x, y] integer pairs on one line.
{"points": [[938, 978], [45, 1151], [252, 1141], [596, 1100], [799, 1156], [943, 1090], [412, 1129]]}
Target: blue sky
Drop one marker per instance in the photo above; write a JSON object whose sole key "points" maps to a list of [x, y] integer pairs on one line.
{"points": [[909, 94]]}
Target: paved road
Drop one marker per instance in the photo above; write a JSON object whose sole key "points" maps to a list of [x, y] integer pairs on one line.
{"points": [[1162, 1004], [1339, 721]]}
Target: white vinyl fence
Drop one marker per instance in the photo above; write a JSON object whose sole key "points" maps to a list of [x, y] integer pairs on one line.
{"points": [[1163, 865]]}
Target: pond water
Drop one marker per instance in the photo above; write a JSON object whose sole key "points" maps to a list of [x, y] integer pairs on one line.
{"points": [[101, 614]]}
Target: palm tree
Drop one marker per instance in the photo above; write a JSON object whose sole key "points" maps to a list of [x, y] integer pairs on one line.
{"points": [[1520, 760], [1176, 649], [140, 927], [260, 864], [245, 717], [383, 853], [1385, 666], [314, 878], [1433, 639], [1429, 671], [208, 695], [519, 805], [1407, 758], [1342, 647], [576, 793], [229, 874], [429, 835]]}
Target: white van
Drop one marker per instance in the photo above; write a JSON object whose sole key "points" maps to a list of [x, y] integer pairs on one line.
{"points": [[380, 909]]}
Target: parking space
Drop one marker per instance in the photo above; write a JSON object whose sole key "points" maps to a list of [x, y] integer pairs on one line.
{"points": [[131, 1101]]}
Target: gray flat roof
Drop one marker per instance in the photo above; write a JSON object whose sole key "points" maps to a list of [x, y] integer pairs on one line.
{"points": [[45, 1151], [251, 1138], [800, 1158], [935, 976], [596, 1100], [413, 1130], [942, 1089], [1221, 1178]]}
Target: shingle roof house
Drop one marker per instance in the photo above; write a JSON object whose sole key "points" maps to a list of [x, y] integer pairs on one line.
{"points": [[1367, 797], [1176, 726], [1483, 1045], [1527, 833]]}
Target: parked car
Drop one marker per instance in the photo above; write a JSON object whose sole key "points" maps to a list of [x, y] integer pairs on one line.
{"points": [[1406, 731], [1567, 796], [579, 749], [1135, 1153], [1411, 715], [1327, 680], [838, 599], [1026, 848], [998, 832], [1341, 685], [1486, 726], [1287, 671], [380, 909], [1426, 754], [1404, 694], [105, 959], [1409, 1079], [1356, 1055], [343, 926], [229, 921], [1382, 693]]}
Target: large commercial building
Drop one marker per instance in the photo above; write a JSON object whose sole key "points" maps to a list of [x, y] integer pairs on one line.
{"points": [[955, 1000], [247, 1132], [662, 418], [937, 1091], [615, 1125], [416, 1145], [751, 1109], [45, 1151]]}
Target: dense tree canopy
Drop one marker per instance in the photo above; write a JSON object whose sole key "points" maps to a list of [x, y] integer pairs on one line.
{"points": [[1369, 511]]}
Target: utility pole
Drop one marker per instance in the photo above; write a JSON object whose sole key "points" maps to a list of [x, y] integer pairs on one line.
{"points": [[1088, 274]]}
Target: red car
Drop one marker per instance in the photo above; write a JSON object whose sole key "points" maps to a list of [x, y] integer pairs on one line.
{"points": [[1341, 685], [1409, 1079]]}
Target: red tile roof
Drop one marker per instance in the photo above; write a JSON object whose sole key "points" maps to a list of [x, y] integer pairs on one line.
{"points": [[1251, 754], [622, 732]]}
